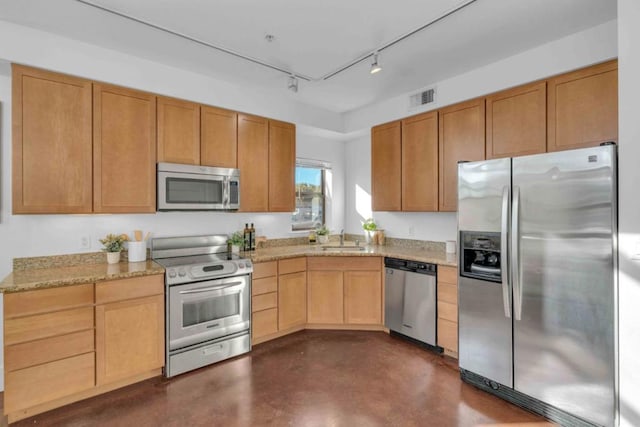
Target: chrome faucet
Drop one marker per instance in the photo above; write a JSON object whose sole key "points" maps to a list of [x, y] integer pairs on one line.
{"points": [[342, 237]]}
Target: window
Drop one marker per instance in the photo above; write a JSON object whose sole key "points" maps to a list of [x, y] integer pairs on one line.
{"points": [[310, 195]]}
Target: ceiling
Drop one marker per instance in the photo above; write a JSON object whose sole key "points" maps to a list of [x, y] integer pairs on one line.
{"points": [[317, 38]]}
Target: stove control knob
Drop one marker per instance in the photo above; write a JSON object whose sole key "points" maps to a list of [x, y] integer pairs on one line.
{"points": [[172, 273], [241, 264], [182, 273]]}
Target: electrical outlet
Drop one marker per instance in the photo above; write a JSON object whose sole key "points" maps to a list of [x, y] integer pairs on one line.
{"points": [[411, 230], [85, 242]]}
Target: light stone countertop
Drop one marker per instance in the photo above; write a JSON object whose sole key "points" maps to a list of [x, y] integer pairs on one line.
{"points": [[413, 254], [51, 277], [64, 270]]}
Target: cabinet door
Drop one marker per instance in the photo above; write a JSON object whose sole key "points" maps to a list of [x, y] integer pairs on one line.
{"points": [[51, 117], [253, 155], [282, 166], [219, 139], [516, 121], [582, 107], [178, 131], [363, 297], [386, 164], [124, 150], [420, 162], [325, 297], [292, 300], [129, 338], [461, 137]]}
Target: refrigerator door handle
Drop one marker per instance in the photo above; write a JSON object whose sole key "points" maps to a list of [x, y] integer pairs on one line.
{"points": [[503, 250], [515, 255]]}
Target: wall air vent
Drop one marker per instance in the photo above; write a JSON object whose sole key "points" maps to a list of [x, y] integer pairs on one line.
{"points": [[424, 97]]}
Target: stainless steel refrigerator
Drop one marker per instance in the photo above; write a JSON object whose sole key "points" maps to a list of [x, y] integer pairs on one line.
{"points": [[538, 282]]}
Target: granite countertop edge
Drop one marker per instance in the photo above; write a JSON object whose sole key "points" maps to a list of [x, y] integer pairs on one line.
{"points": [[54, 277], [412, 254]]}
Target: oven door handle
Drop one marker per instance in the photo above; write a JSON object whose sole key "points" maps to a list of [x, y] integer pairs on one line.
{"points": [[213, 288]]}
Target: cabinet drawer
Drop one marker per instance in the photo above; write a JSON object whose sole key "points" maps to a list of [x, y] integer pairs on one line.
{"points": [[47, 300], [265, 269], [447, 293], [448, 335], [351, 263], [264, 285], [31, 328], [293, 265], [448, 274], [264, 301], [33, 353], [264, 322], [448, 311], [123, 289], [43, 383]]}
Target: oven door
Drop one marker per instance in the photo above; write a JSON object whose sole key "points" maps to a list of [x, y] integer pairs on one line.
{"points": [[207, 310], [185, 191]]}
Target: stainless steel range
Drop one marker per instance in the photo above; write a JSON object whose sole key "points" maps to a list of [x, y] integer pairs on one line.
{"points": [[208, 301]]}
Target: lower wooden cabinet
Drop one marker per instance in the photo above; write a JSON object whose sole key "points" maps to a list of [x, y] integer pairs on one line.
{"points": [[448, 309], [362, 297], [325, 297], [292, 300], [129, 338], [56, 353], [344, 291]]}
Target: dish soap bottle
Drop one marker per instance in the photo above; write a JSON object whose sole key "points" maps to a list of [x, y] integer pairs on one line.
{"points": [[312, 237]]}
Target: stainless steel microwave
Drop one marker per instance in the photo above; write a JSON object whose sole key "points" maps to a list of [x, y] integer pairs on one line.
{"points": [[197, 188]]}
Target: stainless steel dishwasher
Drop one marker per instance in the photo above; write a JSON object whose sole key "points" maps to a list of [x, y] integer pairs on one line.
{"points": [[410, 299]]}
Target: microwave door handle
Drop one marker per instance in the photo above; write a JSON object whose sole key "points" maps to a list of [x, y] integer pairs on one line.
{"points": [[225, 191], [212, 288]]}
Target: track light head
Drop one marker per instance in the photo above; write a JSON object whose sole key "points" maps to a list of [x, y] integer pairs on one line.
{"points": [[375, 66], [293, 83]]}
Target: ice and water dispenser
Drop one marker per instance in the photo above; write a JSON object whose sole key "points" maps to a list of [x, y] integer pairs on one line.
{"points": [[480, 256]]}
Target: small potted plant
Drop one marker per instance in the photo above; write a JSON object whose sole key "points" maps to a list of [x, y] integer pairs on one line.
{"points": [[323, 234], [236, 240], [369, 227], [113, 245]]}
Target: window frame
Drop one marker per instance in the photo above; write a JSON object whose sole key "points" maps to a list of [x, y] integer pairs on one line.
{"points": [[323, 167]]}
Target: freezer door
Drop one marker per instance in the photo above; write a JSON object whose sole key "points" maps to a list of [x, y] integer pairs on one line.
{"points": [[563, 263], [484, 322]]}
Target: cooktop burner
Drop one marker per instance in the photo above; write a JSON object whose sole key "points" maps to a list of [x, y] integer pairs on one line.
{"points": [[197, 258]]}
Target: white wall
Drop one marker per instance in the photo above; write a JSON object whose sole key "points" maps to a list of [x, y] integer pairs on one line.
{"points": [[629, 211], [45, 50], [586, 47]]}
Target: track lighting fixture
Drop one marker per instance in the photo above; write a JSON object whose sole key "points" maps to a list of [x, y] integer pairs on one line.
{"points": [[375, 67], [293, 83]]}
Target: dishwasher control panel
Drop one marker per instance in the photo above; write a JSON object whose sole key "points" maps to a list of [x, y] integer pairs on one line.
{"points": [[407, 265]]}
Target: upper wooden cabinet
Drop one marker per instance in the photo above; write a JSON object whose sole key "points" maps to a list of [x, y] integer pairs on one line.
{"points": [[420, 162], [253, 155], [51, 115], [386, 167], [516, 121], [461, 137], [178, 131], [582, 107], [219, 137], [267, 162], [124, 150], [282, 166]]}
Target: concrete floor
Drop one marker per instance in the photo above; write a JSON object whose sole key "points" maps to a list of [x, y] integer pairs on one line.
{"points": [[311, 378]]}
